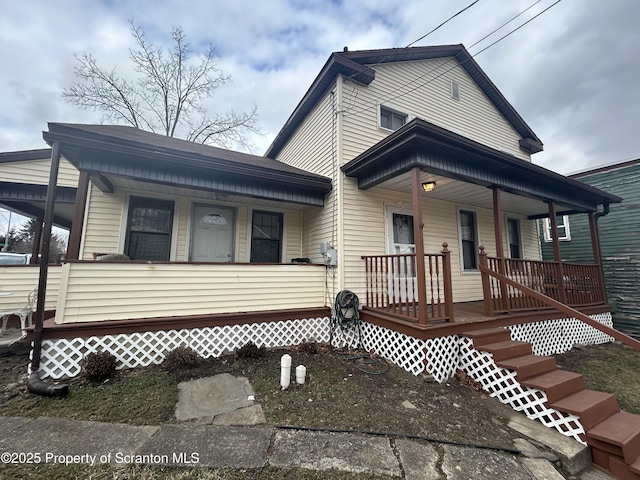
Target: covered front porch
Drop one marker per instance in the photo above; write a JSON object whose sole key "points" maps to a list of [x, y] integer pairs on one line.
{"points": [[417, 289]]}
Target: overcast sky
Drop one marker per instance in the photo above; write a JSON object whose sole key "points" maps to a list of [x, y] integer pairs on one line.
{"points": [[572, 73]]}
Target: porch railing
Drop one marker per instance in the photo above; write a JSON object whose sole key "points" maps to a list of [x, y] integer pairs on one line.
{"points": [[577, 285], [392, 286]]}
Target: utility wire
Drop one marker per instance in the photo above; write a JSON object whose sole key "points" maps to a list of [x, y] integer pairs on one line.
{"points": [[506, 23], [443, 23], [517, 28], [455, 65]]}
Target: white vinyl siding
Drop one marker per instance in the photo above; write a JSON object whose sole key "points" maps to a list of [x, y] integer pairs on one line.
{"points": [[428, 98], [98, 291], [20, 280], [36, 172]]}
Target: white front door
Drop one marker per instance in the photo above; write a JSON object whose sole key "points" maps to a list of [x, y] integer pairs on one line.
{"points": [[212, 234], [402, 271]]}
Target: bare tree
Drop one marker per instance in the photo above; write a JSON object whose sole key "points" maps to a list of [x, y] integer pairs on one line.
{"points": [[168, 95]]}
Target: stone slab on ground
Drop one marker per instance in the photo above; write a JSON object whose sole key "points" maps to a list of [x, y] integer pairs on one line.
{"points": [[73, 437], [467, 462], [252, 415], [214, 446], [339, 451], [574, 456], [419, 460], [9, 424], [203, 399]]}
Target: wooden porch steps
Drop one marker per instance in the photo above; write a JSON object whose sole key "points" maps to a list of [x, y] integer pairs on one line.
{"points": [[614, 436]]}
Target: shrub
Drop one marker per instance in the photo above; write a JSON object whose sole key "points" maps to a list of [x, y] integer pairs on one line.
{"points": [[250, 350], [100, 366], [182, 357]]}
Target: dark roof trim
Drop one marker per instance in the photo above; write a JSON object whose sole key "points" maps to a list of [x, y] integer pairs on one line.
{"points": [[436, 149], [336, 64], [108, 145], [24, 155], [361, 58], [605, 168], [38, 193]]}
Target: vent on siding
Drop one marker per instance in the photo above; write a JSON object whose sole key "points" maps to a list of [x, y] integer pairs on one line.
{"points": [[455, 90]]}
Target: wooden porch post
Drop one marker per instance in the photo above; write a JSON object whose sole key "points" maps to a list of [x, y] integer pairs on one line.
{"points": [[597, 255], [418, 227], [77, 223], [557, 256], [486, 284], [497, 228], [37, 238], [448, 286]]}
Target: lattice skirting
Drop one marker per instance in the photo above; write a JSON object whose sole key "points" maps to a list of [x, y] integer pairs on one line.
{"points": [[437, 356], [61, 358], [552, 337], [501, 383]]}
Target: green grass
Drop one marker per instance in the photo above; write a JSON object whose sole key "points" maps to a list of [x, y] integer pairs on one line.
{"points": [[141, 397]]}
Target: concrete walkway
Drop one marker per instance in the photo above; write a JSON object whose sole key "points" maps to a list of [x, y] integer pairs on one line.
{"points": [[222, 426]]}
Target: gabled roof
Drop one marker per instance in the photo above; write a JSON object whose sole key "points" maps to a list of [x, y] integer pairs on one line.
{"points": [[354, 64], [128, 152]]}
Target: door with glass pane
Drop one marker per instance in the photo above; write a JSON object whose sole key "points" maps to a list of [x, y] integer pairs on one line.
{"points": [[212, 234], [402, 269]]}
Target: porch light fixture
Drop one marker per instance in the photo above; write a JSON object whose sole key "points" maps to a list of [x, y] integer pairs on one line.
{"points": [[429, 186]]}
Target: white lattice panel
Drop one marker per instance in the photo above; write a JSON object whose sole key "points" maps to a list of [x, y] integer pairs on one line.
{"points": [[61, 358], [502, 384], [443, 357], [552, 337]]}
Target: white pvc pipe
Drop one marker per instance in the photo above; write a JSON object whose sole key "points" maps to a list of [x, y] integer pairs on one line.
{"points": [[301, 372], [285, 370]]}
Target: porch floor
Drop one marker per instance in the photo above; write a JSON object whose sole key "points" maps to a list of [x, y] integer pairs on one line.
{"points": [[467, 316]]}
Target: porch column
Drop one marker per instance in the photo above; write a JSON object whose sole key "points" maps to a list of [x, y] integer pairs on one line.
{"points": [[498, 229], [557, 256], [37, 238], [77, 223], [418, 227], [44, 260], [597, 255]]}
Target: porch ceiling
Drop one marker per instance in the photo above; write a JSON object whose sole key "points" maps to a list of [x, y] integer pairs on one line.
{"points": [[29, 200], [469, 194], [465, 169]]}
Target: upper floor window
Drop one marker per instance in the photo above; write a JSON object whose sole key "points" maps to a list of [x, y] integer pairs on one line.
{"points": [[563, 228], [149, 228], [391, 119], [455, 90]]}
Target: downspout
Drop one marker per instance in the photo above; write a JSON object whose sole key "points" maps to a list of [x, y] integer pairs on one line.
{"points": [[34, 383], [596, 217]]}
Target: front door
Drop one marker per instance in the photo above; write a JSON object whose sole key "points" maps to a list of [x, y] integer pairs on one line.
{"points": [[402, 274], [212, 234]]}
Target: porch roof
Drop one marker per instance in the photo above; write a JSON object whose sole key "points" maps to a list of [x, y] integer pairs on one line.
{"points": [[29, 199], [117, 154], [443, 153]]}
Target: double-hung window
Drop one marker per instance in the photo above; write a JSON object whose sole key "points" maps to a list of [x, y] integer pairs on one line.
{"points": [[391, 119], [266, 237], [149, 226], [468, 240]]}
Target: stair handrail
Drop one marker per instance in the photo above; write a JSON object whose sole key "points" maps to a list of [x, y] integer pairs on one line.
{"points": [[572, 312]]}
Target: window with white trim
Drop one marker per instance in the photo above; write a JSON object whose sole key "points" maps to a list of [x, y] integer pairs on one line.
{"points": [[391, 119], [468, 240], [513, 238], [563, 228]]}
